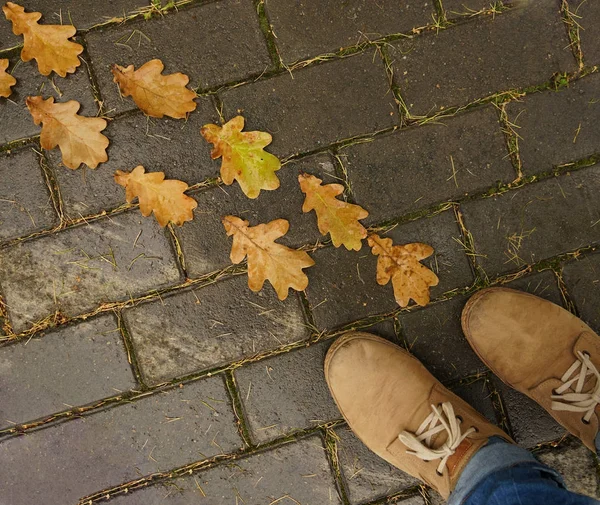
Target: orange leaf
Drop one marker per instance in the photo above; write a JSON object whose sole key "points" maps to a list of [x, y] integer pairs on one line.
{"points": [[165, 198], [267, 260], [78, 137], [155, 94], [336, 217], [6, 80], [244, 159], [49, 45], [400, 263]]}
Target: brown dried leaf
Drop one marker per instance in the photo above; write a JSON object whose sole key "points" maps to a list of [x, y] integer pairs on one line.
{"points": [[49, 45], [267, 260], [336, 217], [6, 80], [78, 137], [400, 263], [244, 158], [155, 94], [165, 198]]}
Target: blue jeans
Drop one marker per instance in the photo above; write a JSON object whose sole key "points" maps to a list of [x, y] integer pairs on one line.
{"points": [[504, 474]]}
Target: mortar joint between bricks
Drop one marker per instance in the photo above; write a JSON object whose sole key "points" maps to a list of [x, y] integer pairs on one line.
{"points": [[238, 409], [330, 443], [572, 26]]}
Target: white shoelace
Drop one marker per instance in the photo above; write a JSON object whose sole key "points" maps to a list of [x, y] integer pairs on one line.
{"points": [[439, 420], [578, 401]]}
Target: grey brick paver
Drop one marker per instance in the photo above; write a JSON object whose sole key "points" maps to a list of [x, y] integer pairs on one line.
{"points": [[81, 13], [535, 222], [25, 203], [76, 270], [387, 174], [588, 16], [208, 327], [222, 43], [16, 120], [286, 393], [160, 145], [342, 285], [576, 463], [486, 57], [305, 29], [63, 463], [204, 256], [582, 278], [71, 366], [366, 475], [558, 127], [298, 470], [317, 106]]}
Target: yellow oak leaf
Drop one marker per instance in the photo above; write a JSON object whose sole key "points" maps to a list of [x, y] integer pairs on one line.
{"points": [[155, 94], [267, 260], [165, 198], [49, 45], [400, 263], [78, 137], [336, 217], [6, 80], [244, 159]]}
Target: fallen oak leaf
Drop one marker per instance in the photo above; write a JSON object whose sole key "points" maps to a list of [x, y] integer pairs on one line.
{"points": [[400, 263], [165, 198], [6, 80], [267, 260], [78, 137], [155, 94], [49, 45], [336, 217], [244, 159]]}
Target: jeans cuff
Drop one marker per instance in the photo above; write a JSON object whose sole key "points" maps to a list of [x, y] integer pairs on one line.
{"points": [[493, 457]]}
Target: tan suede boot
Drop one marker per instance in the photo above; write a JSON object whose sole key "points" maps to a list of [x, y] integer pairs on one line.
{"points": [[401, 412], [541, 350]]}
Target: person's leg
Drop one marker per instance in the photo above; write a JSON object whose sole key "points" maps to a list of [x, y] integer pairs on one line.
{"points": [[404, 415]]}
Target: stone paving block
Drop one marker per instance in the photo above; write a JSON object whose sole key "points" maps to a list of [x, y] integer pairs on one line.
{"points": [[203, 256], [434, 335], [477, 394], [25, 203], [530, 423], [71, 366], [542, 284], [298, 470], [167, 145], [223, 43], [156, 433], [16, 120], [588, 17], [412, 169], [75, 270], [583, 284], [204, 328], [286, 393], [367, 476], [343, 287], [431, 78], [576, 464], [557, 127], [318, 105], [304, 29], [82, 14], [535, 222]]}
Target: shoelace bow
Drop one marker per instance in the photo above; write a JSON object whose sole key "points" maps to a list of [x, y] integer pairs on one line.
{"points": [[419, 443], [578, 401]]}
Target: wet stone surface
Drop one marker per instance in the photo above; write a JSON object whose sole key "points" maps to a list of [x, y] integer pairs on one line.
{"points": [[25, 202], [256, 479], [155, 433], [76, 270], [204, 328], [67, 367]]}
